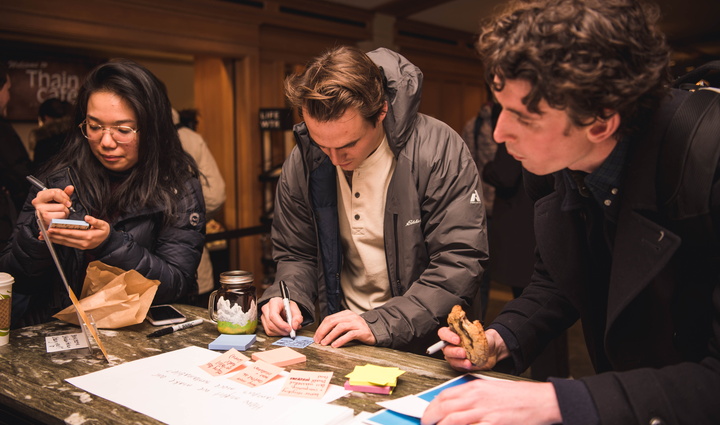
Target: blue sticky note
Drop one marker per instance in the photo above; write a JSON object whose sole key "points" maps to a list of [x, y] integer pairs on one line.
{"points": [[238, 342], [298, 342]]}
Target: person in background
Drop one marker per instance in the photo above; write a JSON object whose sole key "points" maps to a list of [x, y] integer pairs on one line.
{"points": [[213, 188], [15, 164], [123, 170], [55, 119], [477, 134], [584, 87], [378, 215], [188, 118]]}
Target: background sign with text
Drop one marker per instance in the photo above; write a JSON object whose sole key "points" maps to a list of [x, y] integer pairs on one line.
{"points": [[36, 80]]}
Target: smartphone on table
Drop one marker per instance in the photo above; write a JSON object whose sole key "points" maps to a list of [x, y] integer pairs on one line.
{"points": [[164, 314]]}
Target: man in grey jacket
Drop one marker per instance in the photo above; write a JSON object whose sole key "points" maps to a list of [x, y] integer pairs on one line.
{"points": [[379, 224]]}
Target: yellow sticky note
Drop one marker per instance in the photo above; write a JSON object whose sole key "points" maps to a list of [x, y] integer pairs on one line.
{"points": [[374, 375]]}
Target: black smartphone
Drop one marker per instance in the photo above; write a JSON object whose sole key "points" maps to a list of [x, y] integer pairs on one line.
{"points": [[165, 314]]}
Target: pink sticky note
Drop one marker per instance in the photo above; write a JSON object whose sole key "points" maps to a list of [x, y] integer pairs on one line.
{"points": [[231, 360], [257, 374], [306, 384], [375, 389], [283, 356]]}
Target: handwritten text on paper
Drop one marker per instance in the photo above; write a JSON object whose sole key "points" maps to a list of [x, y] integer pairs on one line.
{"points": [[307, 384], [257, 374], [231, 360]]}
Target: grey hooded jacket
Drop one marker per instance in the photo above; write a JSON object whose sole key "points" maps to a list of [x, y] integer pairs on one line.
{"points": [[434, 226]]}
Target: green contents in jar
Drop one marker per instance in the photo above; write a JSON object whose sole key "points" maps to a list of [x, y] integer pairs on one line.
{"points": [[235, 329]]}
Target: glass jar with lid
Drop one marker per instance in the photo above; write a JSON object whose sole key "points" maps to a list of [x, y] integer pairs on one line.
{"points": [[233, 306]]}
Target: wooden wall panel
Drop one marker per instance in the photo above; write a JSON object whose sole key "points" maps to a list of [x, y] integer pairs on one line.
{"points": [[453, 87], [248, 160], [181, 27], [297, 47], [241, 55], [451, 101], [214, 100]]}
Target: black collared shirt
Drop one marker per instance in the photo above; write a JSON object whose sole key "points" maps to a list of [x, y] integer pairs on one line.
{"points": [[604, 184]]}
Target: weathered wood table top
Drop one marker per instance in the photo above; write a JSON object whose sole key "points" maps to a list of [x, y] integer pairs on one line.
{"points": [[33, 387]]}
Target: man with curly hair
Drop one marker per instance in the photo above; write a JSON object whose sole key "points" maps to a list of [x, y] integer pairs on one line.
{"points": [[584, 90]]}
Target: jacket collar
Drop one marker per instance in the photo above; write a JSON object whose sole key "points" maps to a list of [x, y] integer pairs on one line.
{"points": [[643, 247]]}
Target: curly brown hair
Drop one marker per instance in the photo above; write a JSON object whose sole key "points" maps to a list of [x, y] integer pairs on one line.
{"points": [[588, 57], [340, 78]]}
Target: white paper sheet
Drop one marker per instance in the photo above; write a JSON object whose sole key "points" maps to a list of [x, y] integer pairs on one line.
{"points": [[414, 406], [172, 388]]}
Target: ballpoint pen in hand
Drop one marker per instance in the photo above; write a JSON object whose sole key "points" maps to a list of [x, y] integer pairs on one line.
{"points": [[286, 301], [37, 183]]}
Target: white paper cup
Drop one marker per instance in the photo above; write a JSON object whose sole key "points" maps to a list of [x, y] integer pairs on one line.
{"points": [[6, 283]]}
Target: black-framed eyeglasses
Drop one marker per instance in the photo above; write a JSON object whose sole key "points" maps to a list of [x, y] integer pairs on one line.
{"points": [[120, 133]]}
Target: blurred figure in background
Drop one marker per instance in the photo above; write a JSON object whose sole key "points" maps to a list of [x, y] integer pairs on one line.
{"points": [[55, 125], [14, 165], [213, 186], [477, 135]]}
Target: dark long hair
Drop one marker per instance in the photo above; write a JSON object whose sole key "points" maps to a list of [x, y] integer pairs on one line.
{"points": [[159, 177]]}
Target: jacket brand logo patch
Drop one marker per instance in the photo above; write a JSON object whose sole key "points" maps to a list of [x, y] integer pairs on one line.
{"points": [[475, 198], [194, 219], [411, 222]]}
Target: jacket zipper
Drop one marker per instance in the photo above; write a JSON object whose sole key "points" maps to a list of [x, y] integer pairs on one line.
{"points": [[70, 177], [398, 289]]}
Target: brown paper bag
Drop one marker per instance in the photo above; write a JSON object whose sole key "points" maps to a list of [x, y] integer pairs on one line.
{"points": [[114, 297]]}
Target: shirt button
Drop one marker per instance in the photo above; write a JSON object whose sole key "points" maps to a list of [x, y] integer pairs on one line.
{"points": [[614, 191], [357, 216], [357, 194], [656, 421], [607, 202]]}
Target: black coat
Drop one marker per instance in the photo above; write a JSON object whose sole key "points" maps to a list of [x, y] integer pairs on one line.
{"points": [[137, 241], [510, 230], [658, 354], [14, 166]]}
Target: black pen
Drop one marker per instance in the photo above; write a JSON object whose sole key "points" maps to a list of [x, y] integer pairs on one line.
{"points": [[174, 328], [286, 300], [37, 183]]}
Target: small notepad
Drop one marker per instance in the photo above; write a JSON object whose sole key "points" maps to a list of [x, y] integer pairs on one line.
{"points": [[298, 342], [238, 342], [283, 356]]}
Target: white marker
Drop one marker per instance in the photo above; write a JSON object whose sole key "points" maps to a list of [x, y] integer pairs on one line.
{"points": [[286, 301], [436, 347]]}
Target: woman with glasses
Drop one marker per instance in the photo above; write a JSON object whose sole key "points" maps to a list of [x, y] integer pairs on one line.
{"points": [[123, 171]]}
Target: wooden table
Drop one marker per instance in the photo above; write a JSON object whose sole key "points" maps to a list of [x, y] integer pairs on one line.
{"points": [[33, 388]]}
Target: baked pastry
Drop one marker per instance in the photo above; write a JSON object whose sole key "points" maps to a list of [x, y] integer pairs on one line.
{"points": [[472, 335]]}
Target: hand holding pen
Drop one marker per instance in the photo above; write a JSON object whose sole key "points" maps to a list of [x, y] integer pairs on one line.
{"points": [[51, 203], [38, 184], [286, 302]]}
